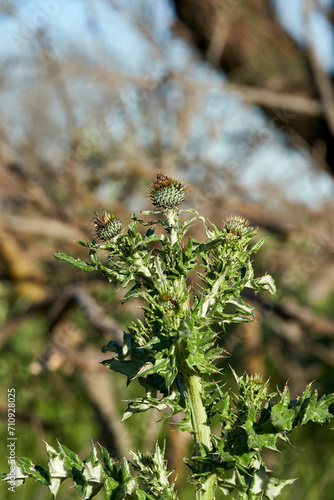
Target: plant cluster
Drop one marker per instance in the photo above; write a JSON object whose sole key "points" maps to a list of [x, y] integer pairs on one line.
{"points": [[190, 291]]}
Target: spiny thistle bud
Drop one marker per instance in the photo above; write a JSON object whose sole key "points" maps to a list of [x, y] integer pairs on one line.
{"points": [[256, 379], [167, 302], [237, 225], [107, 226], [167, 192]]}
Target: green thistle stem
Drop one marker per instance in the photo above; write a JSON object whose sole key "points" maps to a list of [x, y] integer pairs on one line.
{"points": [[171, 216], [202, 432], [198, 413]]}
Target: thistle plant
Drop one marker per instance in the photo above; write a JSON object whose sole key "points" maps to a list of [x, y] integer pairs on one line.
{"points": [[189, 292]]}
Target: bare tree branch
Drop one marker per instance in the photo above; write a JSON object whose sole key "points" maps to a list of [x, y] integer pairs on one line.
{"points": [[322, 79]]}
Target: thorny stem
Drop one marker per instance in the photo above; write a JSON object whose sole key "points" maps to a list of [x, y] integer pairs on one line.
{"points": [[171, 219], [202, 432], [198, 413], [199, 419]]}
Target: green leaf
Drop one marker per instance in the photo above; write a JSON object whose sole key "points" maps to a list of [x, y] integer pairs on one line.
{"points": [[255, 248], [84, 243], [275, 486], [108, 463], [265, 283], [129, 483], [80, 264], [190, 211], [80, 483], [265, 485], [149, 212], [161, 367], [317, 411], [20, 475], [153, 474], [143, 404], [241, 305], [129, 368], [33, 470], [112, 346], [110, 486], [149, 232], [70, 458], [210, 244], [282, 415], [142, 495]]}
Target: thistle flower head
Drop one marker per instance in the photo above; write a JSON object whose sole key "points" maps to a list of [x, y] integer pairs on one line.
{"points": [[237, 225], [167, 192], [256, 379], [107, 226], [167, 304]]}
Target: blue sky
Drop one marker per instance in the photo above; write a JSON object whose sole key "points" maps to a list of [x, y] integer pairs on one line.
{"points": [[120, 45], [291, 16], [68, 20]]}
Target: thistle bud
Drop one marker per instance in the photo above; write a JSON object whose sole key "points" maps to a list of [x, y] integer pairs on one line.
{"points": [[237, 225], [107, 226], [256, 379], [167, 302], [167, 192]]}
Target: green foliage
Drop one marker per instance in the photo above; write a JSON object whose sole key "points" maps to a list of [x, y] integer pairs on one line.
{"points": [[173, 354], [99, 471]]}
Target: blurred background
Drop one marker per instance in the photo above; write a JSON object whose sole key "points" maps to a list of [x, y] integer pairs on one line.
{"points": [[235, 97]]}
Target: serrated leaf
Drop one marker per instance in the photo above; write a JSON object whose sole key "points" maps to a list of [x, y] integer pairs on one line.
{"points": [[266, 283], [78, 263], [70, 458], [146, 403], [282, 417], [56, 463], [317, 411], [257, 246], [210, 244], [275, 486], [142, 495], [129, 483], [160, 366], [108, 462], [80, 483], [241, 305], [110, 486], [263, 483], [257, 437], [112, 346], [35, 471], [129, 368], [20, 475]]}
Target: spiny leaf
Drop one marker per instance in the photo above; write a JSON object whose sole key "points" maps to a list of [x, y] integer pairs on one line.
{"points": [[317, 411], [80, 264]]}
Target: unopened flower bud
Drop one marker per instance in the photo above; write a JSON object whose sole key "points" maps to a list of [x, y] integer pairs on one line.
{"points": [[107, 226], [167, 192], [237, 225]]}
